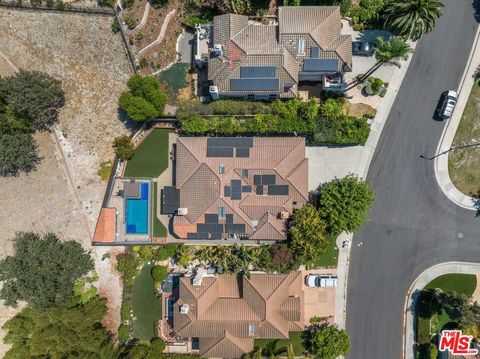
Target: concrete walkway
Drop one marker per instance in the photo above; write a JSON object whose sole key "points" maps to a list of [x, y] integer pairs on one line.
{"points": [[422, 280], [448, 135], [340, 162]]}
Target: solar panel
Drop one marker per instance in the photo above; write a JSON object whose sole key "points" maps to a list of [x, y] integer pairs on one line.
{"points": [[259, 190], [229, 218], [246, 189], [209, 227], [211, 218], [257, 179], [192, 235], [227, 191], [202, 235], [235, 228], [242, 152], [236, 192], [218, 142], [314, 51], [268, 179], [321, 65], [243, 142], [254, 84], [216, 235], [219, 152], [278, 190], [236, 182], [244, 173], [257, 71]]}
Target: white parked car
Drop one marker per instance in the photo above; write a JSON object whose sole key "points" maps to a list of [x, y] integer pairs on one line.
{"points": [[321, 280], [448, 100]]}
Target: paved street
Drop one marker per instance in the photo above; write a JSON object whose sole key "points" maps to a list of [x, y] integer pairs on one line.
{"points": [[412, 225]]}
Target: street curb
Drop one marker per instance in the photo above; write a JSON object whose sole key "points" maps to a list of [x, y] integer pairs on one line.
{"points": [[419, 283], [444, 146]]}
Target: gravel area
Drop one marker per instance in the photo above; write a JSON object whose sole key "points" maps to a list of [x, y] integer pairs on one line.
{"points": [[64, 194]]}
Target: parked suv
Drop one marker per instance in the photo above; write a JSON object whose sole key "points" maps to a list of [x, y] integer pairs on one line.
{"points": [[447, 103], [321, 280]]}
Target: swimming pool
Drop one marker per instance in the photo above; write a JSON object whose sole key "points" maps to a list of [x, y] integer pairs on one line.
{"points": [[136, 212]]}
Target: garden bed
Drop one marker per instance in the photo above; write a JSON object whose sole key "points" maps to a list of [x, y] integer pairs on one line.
{"points": [[174, 82]]}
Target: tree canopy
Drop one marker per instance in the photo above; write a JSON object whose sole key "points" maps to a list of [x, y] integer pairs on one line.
{"points": [[70, 331], [18, 153], [123, 147], [34, 96], [343, 203], [42, 271], [412, 18], [144, 100], [327, 342], [307, 233]]}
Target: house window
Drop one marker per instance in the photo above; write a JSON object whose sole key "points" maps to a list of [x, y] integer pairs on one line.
{"points": [[221, 169], [221, 212], [301, 46], [251, 330]]}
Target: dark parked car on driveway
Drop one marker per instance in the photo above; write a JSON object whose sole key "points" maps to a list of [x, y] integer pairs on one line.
{"points": [[362, 48]]}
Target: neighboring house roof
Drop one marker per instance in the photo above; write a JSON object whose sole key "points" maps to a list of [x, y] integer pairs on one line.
{"points": [[250, 44], [250, 185], [227, 312], [106, 224]]}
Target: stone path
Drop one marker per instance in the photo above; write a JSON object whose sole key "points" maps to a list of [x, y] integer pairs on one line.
{"points": [[162, 33], [144, 18]]}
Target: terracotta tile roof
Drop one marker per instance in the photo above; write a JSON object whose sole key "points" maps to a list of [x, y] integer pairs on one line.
{"points": [[247, 43], [203, 189], [266, 306], [106, 226]]}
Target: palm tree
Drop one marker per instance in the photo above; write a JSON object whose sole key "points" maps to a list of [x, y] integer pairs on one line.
{"points": [[386, 53], [412, 18]]}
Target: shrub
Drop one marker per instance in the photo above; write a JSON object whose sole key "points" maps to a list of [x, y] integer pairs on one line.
{"points": [[328, 342], [137, 108], [282, 259], [130, 21], [368, 89], [343, 203], [18, 153], [307, 233], [159, 273], [123, 147], [331, 108], [165, 252], [123, 333], [376, 84], [115, 25], [382, 92], [346, 130], [128, 264]]}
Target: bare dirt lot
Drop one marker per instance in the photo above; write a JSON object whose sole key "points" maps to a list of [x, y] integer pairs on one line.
{"points": [[64, 194]]}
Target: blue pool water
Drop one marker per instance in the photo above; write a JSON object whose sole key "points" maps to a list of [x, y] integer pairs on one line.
{"points": [[136, 212]]}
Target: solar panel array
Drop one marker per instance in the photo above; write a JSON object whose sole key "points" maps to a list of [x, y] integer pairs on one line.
{"points": [[257, 71], [229, 146], [235, 190], [278, 190], [216, 230], [259, 180], [320, 65], [255, 84]]}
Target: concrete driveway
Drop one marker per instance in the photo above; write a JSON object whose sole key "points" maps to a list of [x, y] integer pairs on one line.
{"points": [[319, 302]]}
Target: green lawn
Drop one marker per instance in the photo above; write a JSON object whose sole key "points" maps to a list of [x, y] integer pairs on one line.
{"points": [[151, 157], [330, 257], [464, 163], [174, 79], [460, 283], [147, 307], [279, 346], [159, 229]]}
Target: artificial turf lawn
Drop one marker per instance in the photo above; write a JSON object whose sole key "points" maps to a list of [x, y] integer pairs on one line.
{"points": [[329, 257], [146, 305], [159, 229], [151, 156], [460, 283], [279, 346]]}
